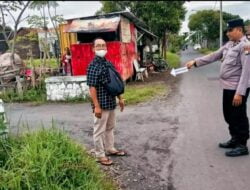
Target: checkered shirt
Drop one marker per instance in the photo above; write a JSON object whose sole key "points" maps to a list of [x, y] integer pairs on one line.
{"points": [[98, 76]]}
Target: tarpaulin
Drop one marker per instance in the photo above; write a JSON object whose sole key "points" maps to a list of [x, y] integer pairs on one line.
{"points": [[93, 25]]}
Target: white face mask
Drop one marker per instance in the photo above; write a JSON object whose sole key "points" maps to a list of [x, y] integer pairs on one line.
{"points": [[101, 53]]}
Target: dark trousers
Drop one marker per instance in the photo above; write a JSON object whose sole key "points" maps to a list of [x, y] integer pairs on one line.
{"points": [[236, 117]]}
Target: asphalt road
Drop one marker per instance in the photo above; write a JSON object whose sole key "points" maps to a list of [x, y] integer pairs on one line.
{"points": [[172, 141], [198, 162]]}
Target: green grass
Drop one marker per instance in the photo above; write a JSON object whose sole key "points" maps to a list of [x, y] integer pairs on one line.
{"points": [[2, 124], [37, 62], [133, 94], [206, 50], [3, 128], [140, 93], [49, 160], [37, 94], [173, 60]]}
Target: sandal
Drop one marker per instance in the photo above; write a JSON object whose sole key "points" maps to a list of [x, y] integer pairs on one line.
{"points": [[117, 153], [105, 161]]}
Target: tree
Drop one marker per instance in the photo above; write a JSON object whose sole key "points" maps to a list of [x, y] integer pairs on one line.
{"points": [[162, 17], [7, 8], [108, 6], [247, 22], [43, 21], [5, 37], [4, 29], [207, 22]]}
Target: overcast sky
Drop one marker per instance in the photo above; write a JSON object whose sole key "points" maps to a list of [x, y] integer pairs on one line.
{"points": [[72, 9]]}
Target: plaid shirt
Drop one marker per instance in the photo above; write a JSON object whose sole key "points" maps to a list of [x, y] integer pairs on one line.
{"points": [[97, 76]]}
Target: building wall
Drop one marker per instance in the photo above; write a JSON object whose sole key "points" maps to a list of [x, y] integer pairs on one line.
{"points": [[26, 44], [66, 39], [66, 87]]}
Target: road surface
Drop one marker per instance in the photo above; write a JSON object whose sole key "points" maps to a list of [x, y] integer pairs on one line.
{"points": [[172, 141]]}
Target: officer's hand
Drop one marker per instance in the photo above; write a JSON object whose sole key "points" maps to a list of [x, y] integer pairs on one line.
{"points": [[98, 112], [237, 101], [190, 64]]}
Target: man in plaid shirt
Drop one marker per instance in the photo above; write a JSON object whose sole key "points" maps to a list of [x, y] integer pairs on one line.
{"points": [[103, 104]]}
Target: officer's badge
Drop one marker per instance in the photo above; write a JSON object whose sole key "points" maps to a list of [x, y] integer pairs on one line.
{"points": [[247, 50]]}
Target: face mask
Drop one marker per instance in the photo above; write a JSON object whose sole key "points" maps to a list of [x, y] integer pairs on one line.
{"points": [[101, 53]]}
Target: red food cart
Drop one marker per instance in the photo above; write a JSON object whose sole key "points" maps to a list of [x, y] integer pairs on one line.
{"points": [[122, 31]]}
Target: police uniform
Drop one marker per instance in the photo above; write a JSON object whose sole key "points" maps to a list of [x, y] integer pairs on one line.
{"points": [[234, 79]]}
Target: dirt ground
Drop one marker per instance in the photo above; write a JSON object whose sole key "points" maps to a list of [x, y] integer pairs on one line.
{"points": [[146, 131], [140, 176], [172, 140], [156, 77]]}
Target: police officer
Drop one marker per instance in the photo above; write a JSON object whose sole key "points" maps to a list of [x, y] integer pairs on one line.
{"points": [[235, 81]]}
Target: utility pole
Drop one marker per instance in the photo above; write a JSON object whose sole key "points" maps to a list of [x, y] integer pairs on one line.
{"points": [[221, 19]]}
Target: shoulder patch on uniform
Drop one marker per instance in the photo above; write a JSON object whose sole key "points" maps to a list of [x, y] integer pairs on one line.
{"points": [[247, 49]]}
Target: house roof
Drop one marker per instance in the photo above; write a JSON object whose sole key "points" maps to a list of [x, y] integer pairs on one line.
{"points": [[29, 29]]}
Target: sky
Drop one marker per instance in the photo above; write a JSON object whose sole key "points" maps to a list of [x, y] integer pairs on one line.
{"points": [[72, 9], [241, 8]]}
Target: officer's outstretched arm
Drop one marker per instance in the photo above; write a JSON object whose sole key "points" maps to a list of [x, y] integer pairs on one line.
{"points": [[210, 58]]}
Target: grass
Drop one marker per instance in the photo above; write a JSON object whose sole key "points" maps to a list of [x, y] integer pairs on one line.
{"points": [[37, 94], [173, 60], [206, 50], [2, 124], [49, 160], [3, 128], [140, 93], [37, 62]]}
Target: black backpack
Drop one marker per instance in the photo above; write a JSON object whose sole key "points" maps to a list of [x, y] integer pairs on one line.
{"points": [[116, 86]]}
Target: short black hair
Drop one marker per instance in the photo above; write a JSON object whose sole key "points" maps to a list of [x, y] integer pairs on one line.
{"points": [[98, 38]]}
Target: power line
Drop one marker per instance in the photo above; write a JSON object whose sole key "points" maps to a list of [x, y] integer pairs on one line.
{"points": [[215, 4]]}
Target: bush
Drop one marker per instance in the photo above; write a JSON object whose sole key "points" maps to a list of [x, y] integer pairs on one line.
{"points": [[206, 50], [173, 60], [48, 159], [175, 42], [37, 62], [37, 94]]}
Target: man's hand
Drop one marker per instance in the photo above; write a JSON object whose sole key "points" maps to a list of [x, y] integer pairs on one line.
{"points": [[121, 104], [237, 101], [190, 64], [98, 112]]}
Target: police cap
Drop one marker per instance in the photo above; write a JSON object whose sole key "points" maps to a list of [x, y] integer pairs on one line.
{"points": [[235, 23]]}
